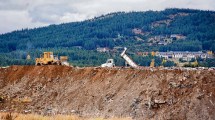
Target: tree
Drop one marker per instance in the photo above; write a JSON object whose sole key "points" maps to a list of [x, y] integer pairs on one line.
{"points": [[169, 64]]}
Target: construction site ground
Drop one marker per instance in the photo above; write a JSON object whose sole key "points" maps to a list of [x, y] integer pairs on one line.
{"points": [[148, 93]]}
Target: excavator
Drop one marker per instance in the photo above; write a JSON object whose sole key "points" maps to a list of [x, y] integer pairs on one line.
{"points": [[48, 58]]}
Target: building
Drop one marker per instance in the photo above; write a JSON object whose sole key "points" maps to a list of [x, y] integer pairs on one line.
{"points": [[162, 43], [137, 31], [185, 55], [105, 49], [160, 40], [142, 53], [178, 36]]}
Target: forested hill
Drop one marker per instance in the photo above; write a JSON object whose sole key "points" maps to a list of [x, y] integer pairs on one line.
{"points": [[168, 30]]}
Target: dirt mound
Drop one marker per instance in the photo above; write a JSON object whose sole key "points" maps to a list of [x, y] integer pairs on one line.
{"points": [[101, 92]]}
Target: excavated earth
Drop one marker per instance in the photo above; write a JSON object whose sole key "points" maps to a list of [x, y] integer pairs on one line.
{"points": [[159, 94]]}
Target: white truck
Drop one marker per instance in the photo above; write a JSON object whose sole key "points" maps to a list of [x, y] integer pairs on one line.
{"points": [[109, 63]]}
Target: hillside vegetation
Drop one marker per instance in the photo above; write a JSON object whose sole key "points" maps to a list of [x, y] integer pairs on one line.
{"points": [[139, 31]]}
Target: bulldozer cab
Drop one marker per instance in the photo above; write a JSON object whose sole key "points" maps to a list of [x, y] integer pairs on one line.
{"points": [[47, 55]]}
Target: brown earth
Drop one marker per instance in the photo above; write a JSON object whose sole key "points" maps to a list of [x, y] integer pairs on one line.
{"points": [[102, 92]]}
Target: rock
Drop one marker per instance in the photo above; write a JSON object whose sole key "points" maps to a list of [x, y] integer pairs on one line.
{"points": [[173, 84], [160, 101], [200, 96], [2, 100]]}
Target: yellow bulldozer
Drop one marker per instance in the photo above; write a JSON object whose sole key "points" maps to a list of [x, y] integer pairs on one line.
{"points": [[48, 58]]}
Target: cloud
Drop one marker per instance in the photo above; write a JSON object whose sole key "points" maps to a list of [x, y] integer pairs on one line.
{"points": [[14, 20], [18, 14], [11, 5], [49, 13]]}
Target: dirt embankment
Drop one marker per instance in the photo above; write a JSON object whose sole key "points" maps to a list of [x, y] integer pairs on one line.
{"points": [[101, 92]]}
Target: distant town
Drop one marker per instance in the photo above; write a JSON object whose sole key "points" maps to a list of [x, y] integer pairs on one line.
{"points": [[179, 57]]}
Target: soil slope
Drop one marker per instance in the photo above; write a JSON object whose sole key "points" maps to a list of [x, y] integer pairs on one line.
{"points": [[102, 92]]}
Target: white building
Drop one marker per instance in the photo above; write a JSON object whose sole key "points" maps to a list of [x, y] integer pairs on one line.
{"points": [[105, 49], [187, 56]]}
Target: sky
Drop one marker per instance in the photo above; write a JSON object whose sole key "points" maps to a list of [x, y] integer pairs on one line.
{"points": [[21, 14]]}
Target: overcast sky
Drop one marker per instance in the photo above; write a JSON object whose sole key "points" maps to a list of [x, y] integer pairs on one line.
{"points": [[18, 14]]}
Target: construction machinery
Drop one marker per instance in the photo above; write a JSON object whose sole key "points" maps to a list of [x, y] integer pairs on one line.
{"points": [[109, 63], [152, 64], [48, 58], [128, 60], [64, 60]]}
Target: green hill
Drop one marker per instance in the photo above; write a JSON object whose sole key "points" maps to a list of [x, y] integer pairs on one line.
{"points": [[171, 29]]}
